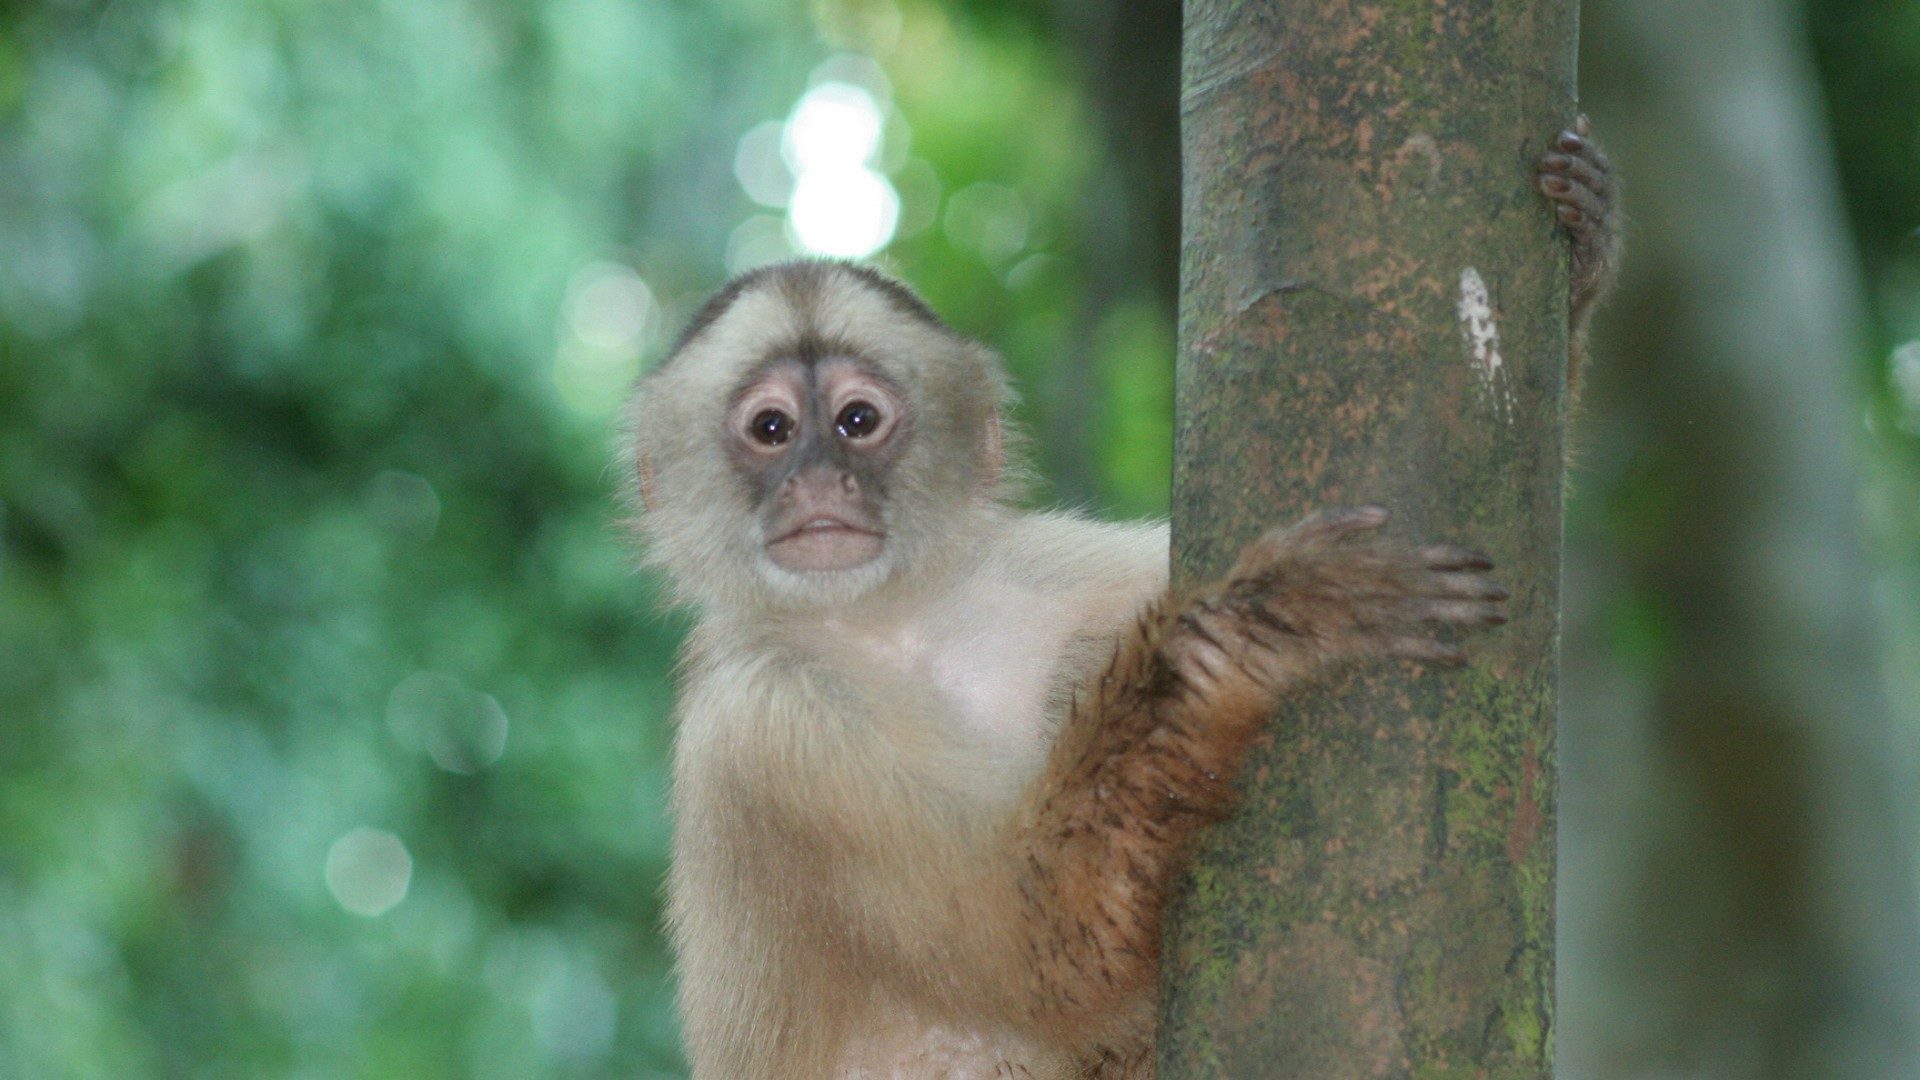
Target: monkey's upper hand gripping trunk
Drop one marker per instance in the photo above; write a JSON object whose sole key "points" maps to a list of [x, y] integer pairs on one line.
{"points": [[1580, 184], [1149, 752]]}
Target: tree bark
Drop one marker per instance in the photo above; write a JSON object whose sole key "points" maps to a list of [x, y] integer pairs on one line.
{"points": [[1374, 310]]}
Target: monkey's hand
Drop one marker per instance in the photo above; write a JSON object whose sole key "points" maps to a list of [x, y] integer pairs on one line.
{"points": [[1316, 593], [1579, 182], [1149, 754]]}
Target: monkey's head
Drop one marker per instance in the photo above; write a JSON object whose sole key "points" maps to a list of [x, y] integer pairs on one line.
{"points": [[817, 434]]}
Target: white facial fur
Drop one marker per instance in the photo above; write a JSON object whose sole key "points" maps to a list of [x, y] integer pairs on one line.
{"points": [[699, 522]]}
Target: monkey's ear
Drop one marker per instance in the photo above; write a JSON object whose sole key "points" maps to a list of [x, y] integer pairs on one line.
{"points": [[649, 491]]}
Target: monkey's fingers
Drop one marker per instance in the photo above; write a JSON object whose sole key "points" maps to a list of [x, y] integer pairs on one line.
{"points": [[1573, 202], [1330, 526], [1426, 650], [1409, 587], [1409, 643], [1448, 557], [1558, 170], [1462, 612], [1383, 573], [1465, 587], [1579, 183], [1441, 570], [1578, 179], [1401, 615], [1579, 141], [1315, 532]]}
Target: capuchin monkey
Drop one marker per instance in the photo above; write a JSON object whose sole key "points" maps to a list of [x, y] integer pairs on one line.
{"points": [[938, 758]]}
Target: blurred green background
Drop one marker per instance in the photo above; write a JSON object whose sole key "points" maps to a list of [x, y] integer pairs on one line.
{"points": [[332, 712]]}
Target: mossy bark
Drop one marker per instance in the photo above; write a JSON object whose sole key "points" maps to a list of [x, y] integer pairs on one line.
{"points": [[1373, 310]]}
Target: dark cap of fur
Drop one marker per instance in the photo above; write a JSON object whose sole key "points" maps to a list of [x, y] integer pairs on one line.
{"points": [[800, 280]]}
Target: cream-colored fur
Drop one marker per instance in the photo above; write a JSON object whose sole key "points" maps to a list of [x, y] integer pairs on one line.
{"points": [[841, 790]]}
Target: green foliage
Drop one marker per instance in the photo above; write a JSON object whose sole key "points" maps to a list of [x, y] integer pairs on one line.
{"points": [[307, 511]]}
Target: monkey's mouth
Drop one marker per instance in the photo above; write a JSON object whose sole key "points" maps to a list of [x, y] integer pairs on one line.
{"points": [[824, 543]]}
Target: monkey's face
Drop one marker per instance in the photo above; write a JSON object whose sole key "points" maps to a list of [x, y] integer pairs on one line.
{"points": [[815, 442], [818, 435]]}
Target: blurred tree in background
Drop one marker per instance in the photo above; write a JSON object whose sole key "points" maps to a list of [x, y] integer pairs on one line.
{"points": [[1738, 887], [332, 716]]}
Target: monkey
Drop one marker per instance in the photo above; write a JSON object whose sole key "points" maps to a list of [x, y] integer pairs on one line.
{"points": [[938, 758]]}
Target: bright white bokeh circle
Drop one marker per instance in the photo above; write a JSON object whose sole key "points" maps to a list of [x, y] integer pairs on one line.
{"points": [[847, 213], [835, 125]]}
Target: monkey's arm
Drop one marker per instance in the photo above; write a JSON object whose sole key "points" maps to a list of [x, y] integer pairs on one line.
{"points": [[1579, 181], [1148, 753]]}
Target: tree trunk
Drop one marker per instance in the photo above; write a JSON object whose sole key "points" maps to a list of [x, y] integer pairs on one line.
{"points": [[1374, 310], [1741, 905]]}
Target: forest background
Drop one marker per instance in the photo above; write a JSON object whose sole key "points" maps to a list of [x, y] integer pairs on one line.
{"points": [[333, 712]]}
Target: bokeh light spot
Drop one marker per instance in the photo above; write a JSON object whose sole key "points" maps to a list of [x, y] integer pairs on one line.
{"points": [[834, 126], [368, 871], [462, 730], [609, 307], [838, 200], [404, 504], [990, 218], [760, 166], [1905, 368], [848, 213], [609, 319], [574, 1013]]}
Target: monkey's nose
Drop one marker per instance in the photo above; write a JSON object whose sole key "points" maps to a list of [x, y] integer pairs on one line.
{"points": [[820, 482]]}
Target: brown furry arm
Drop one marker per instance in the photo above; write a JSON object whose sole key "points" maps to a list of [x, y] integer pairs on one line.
{"points": [[1149, 752]]}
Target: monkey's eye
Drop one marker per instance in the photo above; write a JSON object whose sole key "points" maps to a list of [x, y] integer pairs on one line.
{"points": [[770, 427], [857, 421]]}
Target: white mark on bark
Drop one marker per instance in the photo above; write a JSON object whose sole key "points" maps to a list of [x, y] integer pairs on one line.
{"points": [[1483, 343]]}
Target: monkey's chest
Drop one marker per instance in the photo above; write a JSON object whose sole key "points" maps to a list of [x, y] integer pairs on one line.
{"points": [[998, 693], [994, 675], [935, 1052]]}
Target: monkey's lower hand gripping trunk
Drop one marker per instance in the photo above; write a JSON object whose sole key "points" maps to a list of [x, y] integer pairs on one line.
{"points": [[1148, 754]]}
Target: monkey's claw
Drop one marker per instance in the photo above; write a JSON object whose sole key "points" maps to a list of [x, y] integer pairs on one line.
{"points": [[1578, 181]]}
